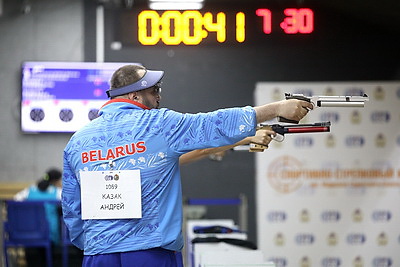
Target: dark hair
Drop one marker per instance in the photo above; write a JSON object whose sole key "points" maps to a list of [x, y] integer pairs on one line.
{"points": [[125, 75], [49, 178]]}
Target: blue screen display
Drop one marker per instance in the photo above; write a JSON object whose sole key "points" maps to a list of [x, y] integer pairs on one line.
{"points": [[63, 96]]}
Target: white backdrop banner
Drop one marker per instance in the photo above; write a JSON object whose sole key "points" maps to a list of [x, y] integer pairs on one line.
{"points": [[333, 199]]}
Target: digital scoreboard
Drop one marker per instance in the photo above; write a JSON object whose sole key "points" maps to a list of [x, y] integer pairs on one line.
{"points": [[212, 25], [191, 27]]}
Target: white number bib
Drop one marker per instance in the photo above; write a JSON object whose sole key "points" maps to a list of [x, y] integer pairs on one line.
{"points": [[111, 194]]}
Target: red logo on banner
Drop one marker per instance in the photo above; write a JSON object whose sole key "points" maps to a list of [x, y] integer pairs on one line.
{"points": [[284, 174]]}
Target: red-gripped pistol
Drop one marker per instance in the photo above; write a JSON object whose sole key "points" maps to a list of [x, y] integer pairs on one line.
{"points": [[281, 130]]}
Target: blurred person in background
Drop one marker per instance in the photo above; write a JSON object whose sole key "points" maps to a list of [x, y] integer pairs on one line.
{"points": [[48, 188]]}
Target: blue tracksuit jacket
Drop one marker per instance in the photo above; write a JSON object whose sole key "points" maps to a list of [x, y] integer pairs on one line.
{"points": [[134, 137]]}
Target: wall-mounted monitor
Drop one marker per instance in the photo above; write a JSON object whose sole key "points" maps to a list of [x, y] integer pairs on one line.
{"points": [[63, 96]]}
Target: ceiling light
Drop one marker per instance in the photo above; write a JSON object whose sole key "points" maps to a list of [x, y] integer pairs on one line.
{"points": [[176, 4]]}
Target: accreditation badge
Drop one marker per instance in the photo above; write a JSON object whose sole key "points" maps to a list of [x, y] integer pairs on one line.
{"points": [[111, 194]]}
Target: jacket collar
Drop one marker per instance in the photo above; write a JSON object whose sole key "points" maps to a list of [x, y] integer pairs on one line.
{"points": [[124, 100]]}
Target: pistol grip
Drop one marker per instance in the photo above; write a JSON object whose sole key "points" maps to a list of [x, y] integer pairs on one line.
{"points": [[257, 148], [282, 119]]}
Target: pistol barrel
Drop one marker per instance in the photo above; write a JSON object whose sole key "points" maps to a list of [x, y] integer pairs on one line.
{"points": [[350, 104]]}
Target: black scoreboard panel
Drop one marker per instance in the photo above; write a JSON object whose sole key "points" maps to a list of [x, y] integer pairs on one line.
{"points": [[237, 24]]}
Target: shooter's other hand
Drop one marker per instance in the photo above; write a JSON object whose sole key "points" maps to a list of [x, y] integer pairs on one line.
{"points": [[262, 137]]}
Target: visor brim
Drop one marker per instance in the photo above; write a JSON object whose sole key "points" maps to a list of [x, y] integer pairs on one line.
{"points": [[151, 78]]}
